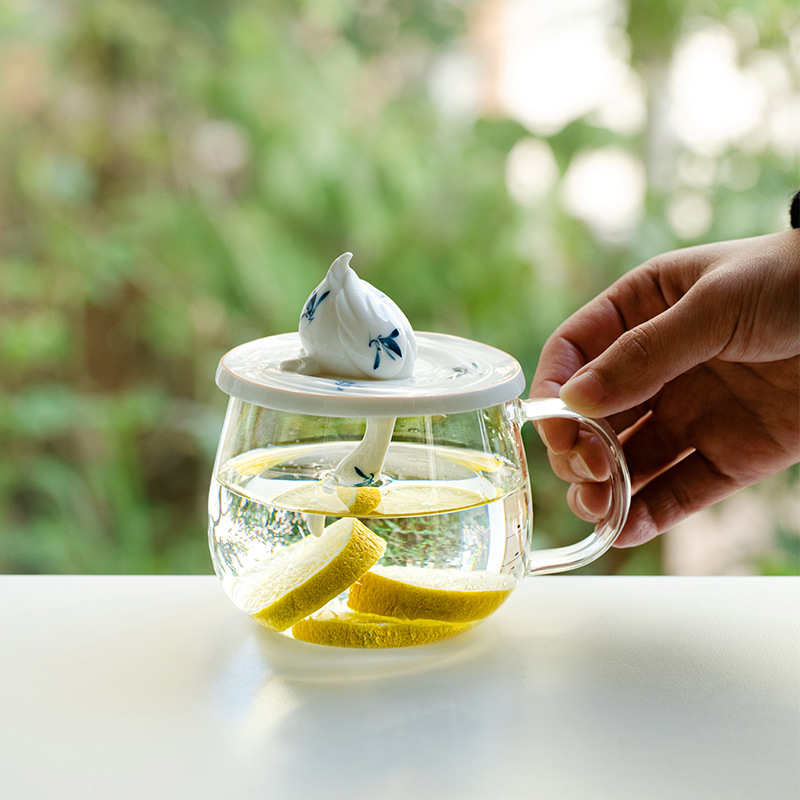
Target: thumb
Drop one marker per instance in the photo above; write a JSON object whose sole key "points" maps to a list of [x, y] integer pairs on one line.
{"points": [[638, 364]]}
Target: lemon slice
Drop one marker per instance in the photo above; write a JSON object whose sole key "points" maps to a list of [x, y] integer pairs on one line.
{"points": [[302, 577], [317, 498], [479, 462], [396, 500], [360, 500], [354, 629], [314, 498], [426, 593], [435, 498], [255, 461]]}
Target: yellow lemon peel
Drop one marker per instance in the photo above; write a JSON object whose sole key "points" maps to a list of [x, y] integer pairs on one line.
{"points": [[360, 500], [426, 593], [307, 574], [354, 629]]}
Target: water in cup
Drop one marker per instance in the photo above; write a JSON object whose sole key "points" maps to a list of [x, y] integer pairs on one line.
{"points": [[446, 530]]}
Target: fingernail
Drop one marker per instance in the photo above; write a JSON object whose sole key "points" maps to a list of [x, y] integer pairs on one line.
{"points": [[540, 431], [578, 465], [577, 500], [584, 392], [581, 504]]}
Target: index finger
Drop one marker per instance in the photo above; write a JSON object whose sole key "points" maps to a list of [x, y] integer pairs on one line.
{"points": [[576, 342]]}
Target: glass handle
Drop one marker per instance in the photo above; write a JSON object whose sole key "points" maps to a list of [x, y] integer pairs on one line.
{"points": [[560, 559]]}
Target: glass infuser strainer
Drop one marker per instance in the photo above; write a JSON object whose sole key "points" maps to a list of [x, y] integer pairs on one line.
{"points": [[361, 511]]}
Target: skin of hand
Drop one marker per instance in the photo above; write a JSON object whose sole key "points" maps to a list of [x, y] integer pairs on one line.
{"points": [[694, 359]]}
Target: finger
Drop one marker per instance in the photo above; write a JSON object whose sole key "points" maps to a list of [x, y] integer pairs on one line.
{"points": [[587, 460], [558, 435], [636, 366], [689, 486], [584, 336], [640, 295], [578, 340], [589, 501], [559, 359]]}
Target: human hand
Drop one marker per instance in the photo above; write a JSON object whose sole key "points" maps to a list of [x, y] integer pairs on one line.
{"points": [[694, 359]]}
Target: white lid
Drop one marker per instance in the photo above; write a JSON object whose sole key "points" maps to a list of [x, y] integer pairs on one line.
{"points": [[451, 375]]}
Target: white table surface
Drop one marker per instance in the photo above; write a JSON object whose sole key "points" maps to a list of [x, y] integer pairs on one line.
{"points": [[579, 687]]}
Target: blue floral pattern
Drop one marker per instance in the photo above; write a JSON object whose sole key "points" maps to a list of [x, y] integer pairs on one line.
{"points": [[368, 480], [312, 305], [387, 345]]}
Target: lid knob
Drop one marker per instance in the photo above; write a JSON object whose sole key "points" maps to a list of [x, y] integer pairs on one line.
{"points": [[350, 329]]}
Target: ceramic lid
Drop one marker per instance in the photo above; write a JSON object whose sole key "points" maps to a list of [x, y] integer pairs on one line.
{"points": [[451, 375]]}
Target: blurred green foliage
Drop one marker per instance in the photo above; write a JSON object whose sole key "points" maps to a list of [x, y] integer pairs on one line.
{"points": [[175, 178]]}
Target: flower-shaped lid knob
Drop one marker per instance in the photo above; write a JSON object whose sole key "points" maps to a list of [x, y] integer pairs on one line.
{"points": [[349, 329]]}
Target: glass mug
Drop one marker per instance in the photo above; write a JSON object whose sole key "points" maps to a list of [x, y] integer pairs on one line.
{"points": [[444, 525]]}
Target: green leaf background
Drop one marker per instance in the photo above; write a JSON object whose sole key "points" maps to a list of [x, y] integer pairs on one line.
{"points": [[132, 255]]}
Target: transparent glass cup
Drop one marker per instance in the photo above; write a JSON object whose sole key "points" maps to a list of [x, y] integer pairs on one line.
{"points": [[448, 515]]}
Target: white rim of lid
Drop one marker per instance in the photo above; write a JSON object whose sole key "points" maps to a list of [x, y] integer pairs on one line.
{"points": [[451, 375]]}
